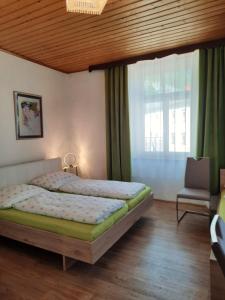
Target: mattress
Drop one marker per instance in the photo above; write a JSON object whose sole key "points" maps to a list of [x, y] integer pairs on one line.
{"points": [[73, 229], [134, 201], [221, 208]]}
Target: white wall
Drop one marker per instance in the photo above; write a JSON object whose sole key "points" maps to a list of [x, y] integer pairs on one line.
{"points": [[20, 75], [73, 115], [86, 94]]}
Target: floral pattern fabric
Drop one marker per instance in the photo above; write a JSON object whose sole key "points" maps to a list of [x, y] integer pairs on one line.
{"points": [[52, 181], [70, 183], [103, 188], [15, 193], [77, 208], [84, 209]]}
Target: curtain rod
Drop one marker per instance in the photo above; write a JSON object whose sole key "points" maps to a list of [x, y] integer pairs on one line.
{"points": [[159, 54]]}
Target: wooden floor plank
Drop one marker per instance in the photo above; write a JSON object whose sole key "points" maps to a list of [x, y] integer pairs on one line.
{"points": [[156, 259]]}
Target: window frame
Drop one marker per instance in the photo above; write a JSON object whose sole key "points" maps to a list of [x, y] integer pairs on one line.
{"points": [[166, 154]]}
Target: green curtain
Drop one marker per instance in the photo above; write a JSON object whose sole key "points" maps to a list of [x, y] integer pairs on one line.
{"points": [[117, 124], [211, 116]]}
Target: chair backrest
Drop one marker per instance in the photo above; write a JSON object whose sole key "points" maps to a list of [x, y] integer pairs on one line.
{"points": [[217, 230], [197, 174]]}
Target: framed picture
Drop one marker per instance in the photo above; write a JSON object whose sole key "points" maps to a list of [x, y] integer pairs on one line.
{"points": [[28, 116]]}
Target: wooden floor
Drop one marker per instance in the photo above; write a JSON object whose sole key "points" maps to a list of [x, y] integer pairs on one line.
{"points": [[156, 259]]}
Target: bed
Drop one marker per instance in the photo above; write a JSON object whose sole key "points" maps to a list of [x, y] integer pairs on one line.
{"points": [[73, 241]]}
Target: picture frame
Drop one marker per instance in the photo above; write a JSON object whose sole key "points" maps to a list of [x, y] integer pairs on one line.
{"points": [[28, 115]]}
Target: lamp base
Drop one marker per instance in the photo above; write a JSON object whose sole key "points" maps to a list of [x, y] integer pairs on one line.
{"points": [[73, 170]]}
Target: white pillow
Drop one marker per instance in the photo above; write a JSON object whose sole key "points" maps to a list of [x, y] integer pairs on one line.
{"points": [[15, 193], [52, 181]]}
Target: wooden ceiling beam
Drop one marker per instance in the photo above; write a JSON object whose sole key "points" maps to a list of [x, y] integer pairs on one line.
{"points": [[132, 49], [135, 57], [62, 18], [136, 37], [130, 31], [61, 34], [22, 11], [42, 31]]}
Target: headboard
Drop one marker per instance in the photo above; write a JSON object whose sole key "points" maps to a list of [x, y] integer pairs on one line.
{"points": [[23, 173]]}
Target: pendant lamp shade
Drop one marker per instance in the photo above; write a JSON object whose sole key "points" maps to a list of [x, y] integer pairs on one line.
{"points": [[94, 7]]}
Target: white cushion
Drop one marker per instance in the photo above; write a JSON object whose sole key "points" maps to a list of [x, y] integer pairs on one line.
{"points": [[52, 181]]}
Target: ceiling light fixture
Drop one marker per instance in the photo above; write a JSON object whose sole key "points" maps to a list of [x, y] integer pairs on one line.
{"points": [[94, 7]]}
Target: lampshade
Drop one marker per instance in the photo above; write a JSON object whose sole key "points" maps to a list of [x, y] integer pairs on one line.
{"points": [[94, 7], [70, 160]]}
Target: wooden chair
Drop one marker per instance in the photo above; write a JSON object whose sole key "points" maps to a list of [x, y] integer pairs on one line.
{"points": [[217, 230], [196, 184]]}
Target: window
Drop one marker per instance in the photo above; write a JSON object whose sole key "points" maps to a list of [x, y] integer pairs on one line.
{"points": [[173, 123], [163, 106]]}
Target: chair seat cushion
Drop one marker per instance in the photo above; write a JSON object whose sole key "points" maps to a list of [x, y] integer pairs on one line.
{"points": [[195, 194]]}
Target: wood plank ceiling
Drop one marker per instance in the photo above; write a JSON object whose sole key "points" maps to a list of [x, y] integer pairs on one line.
{"points": [[42, 30]]}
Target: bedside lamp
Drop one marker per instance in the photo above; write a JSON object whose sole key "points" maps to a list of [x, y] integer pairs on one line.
{"points": [[70, 163]]}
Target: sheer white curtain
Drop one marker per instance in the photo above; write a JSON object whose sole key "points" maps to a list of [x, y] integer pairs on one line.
{"points": [[163, 100]]}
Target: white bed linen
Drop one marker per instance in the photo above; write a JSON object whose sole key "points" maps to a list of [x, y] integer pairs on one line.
{"points": [[84, 209], [69, 183], [52, 181], [90, 210], [103, 188], [16, 193]]}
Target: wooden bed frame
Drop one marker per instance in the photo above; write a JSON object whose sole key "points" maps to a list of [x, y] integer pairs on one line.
{"points": [[70, 248]]}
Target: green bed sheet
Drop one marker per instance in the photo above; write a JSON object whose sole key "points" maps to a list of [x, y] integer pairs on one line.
{"points": [[134, 201], [73, 229], [221, 209]]}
